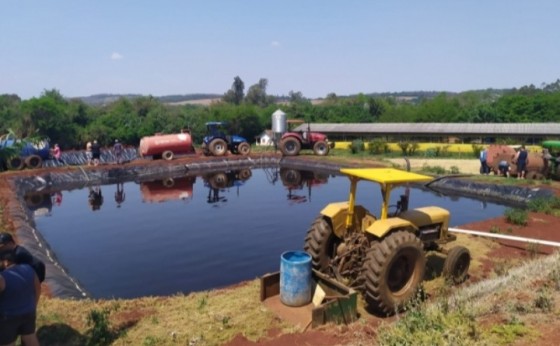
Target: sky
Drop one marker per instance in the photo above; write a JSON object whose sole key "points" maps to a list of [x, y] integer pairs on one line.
{"points": [[316, 47]]}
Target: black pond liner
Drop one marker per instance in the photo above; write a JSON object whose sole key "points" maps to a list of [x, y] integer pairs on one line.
{"points": [[62, 285]]}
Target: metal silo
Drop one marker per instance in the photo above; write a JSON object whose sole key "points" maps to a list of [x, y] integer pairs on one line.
{"points": [[279, 122]]}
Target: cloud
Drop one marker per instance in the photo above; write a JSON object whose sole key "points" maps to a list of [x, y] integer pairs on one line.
{"points": [[275, 44], [116, 56]]}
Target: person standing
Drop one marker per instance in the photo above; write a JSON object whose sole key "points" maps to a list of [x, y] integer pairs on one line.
{"points": [[57, 153], [96, 152], [522, 160], [118, 151], [484, 169], [23, 256], [19, 294], [89, 155]]}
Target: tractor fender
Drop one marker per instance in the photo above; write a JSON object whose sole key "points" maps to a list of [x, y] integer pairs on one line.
{"points": [[296, 136], [335, 214], [380, 228]]}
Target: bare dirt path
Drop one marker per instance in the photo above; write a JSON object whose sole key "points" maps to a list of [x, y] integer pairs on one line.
{"points": [[467, 166]]}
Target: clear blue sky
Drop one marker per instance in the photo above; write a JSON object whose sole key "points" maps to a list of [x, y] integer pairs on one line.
{"points": [[316, 47]]}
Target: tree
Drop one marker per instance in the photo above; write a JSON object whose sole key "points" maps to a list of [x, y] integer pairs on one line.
{"points": [[297, 97], [236, 94], [256, 95]]}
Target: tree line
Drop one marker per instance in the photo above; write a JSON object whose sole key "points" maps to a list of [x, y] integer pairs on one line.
{"points": [[72, 122]]}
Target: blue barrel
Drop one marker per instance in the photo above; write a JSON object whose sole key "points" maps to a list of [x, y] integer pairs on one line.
{"points": [[295, 278]]}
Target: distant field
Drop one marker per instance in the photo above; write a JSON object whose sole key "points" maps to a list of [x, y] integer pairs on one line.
{"points": [[201, 102], [207, 102]]}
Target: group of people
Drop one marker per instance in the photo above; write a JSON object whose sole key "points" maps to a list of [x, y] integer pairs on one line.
{"points": [[93, 152], [520, 159], [21, 275]]}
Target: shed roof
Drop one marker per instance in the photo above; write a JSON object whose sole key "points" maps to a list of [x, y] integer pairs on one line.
{"points": [[539, 129]]}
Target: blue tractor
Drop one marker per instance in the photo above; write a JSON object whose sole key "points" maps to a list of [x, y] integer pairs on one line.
{"points": [[217, 143]]}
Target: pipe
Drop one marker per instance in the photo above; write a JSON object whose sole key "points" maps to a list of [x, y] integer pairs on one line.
{"points": [[503, 236]]}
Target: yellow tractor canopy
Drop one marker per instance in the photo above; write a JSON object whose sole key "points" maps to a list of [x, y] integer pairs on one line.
{"points": [[386, 177]]}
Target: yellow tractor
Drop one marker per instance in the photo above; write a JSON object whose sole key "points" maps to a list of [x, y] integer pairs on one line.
{"points": [[385, 256]]}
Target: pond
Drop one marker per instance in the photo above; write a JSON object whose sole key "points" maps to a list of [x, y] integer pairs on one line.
{"points": [[200, 232]]}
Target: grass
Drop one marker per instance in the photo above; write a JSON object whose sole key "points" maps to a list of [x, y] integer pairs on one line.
{"points": [[460, 319], [203, 318]]}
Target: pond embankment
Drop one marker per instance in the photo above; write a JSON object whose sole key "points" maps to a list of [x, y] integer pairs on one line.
{"points": [[51, 179]]}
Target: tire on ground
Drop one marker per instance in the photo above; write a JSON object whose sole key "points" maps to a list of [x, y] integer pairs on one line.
{"points": [[244, 149], [320, 244], [218, 147], [290, 146], [393, 270], [456, 265], [321, 148], [16, 163], [33, 161]]}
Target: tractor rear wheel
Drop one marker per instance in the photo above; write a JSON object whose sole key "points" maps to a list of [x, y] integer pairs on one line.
{"points": [[320, 244], [244, 174], [456, 265], [393, 269], [219, 181], [244, 149], [290, 146], [218, 147], [321, 148], [290, 177]]}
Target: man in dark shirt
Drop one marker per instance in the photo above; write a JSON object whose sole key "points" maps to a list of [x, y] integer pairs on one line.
{"points": [[23, 256], [96, 152], [20, 290]]}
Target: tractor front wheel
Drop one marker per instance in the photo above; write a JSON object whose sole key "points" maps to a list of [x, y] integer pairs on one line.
{"points": [[321, 148], [290, 146], [244, 149], [320, 244], [456, 265], [218, 147], [393, 269]]}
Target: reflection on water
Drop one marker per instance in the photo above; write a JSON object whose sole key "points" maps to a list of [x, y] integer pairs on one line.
{"points": [[218, 182], [234, 226], [120, 196], [300, 183], [95, 197], [167, 189]]}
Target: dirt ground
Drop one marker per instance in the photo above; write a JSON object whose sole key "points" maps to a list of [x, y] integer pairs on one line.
{"points": [[540, 226], [465, 166]]}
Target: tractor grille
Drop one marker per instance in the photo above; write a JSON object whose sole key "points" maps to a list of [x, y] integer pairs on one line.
{"points": [[430, 233]]}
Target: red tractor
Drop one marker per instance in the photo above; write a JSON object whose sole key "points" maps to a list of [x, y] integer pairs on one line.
{"points": [[293, 142]]}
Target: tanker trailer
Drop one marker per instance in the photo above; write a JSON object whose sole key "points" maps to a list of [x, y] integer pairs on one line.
{"points": [[537, 167], [166, 146]]}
